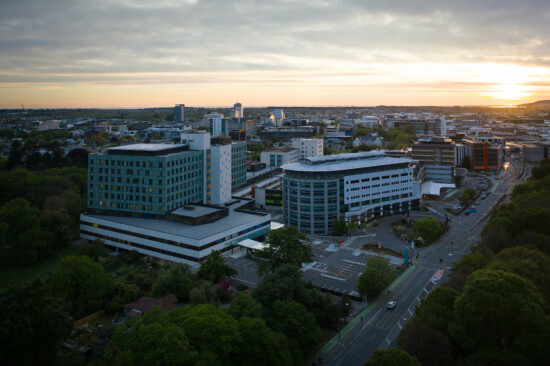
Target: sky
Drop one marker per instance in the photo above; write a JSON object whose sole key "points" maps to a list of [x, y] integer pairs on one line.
{"points": [[140, 53]]}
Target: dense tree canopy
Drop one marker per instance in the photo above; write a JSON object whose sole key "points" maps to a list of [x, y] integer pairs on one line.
{"points": [[391, 357], [32, 325], [495, 307], [150, 339], [82, 283]]}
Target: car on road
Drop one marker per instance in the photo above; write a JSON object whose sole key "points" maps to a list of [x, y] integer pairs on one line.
{"points": [[477, 203], [392, 305], [467, 212]]}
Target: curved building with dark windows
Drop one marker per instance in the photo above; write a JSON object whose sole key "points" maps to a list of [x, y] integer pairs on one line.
{"points": [[355, 187]]}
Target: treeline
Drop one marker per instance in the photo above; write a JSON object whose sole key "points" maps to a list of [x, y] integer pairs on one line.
{"points": [[39, 212], [494, 309]]}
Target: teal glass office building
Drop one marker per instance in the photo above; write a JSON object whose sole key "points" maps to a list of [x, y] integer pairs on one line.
{"points": [[144, 180]]}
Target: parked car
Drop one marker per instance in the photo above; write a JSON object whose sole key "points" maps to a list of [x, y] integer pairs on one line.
{"points": [[392, 305]]}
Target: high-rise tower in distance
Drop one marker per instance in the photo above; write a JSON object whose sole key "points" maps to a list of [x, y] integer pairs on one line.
{"points": [[237, 111], [179, 113]]}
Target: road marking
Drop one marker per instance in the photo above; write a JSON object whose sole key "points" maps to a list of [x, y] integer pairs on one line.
{"points": [[410, 312], [418, 299], [371, 319], [425, 287], [399, 324]]}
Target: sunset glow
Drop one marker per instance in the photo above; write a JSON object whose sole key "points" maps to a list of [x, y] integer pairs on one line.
{"points": [[211, 53]]}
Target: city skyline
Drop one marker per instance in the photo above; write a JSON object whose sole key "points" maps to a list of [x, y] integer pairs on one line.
{"points": [[109, 54]]}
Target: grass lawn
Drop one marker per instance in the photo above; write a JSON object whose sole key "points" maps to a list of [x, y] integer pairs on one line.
{"points": [[42, 269]]}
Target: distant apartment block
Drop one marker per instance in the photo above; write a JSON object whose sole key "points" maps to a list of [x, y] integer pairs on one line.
{"points": [[484, 156], [434, 151], [308, 147], [179, 113], [275, 157]]}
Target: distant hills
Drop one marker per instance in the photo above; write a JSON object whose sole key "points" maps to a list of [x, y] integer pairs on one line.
{"points": [[540, 104]]}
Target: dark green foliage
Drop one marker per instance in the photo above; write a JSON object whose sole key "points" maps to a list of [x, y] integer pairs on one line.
{"points": [[32, 325], [175, 279], [82, 283], [150, 339], [467, 195], [529, 264], [437, 310], [496, 307], [214, 269], [93, 249], [293, 319], [244, 305], [429, 346], [287, 284], [260, 345], [24, 241], [286, 246], [429, 229], [213, 333], [339, 227], [391, 357], [377, 275], [204, 293]]}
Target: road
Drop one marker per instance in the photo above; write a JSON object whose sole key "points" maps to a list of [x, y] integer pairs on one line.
{"points": [[380, 327]]}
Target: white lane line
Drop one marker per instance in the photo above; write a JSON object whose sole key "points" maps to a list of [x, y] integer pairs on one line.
{"points": [[400, 327], [371, 319], [425, 287], [410, 312]]}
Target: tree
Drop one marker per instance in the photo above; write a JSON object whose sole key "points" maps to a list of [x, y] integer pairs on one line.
{"points": [[529, 264], [25, 241], [437, 310], [378, 274], [285, 283], [429, 346], [391, 357], [428, 228], [293, 319], [58, 223], [176, 279], [467, 195], [339, 227], [213, 333], [284, 246], [244, 305], [214, 269], [82, 283], [260, 345], [204, 293], [496, 307], [32, 325], [150, 339]]}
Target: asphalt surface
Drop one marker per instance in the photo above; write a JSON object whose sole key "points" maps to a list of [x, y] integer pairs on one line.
{"points": [[380, 327]]}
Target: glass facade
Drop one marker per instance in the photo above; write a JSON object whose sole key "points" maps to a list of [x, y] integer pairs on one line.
{"points": [[238, 164], [127, 184]]}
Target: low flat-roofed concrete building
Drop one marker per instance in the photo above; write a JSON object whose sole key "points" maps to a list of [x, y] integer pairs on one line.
{"points": [[200, 230]]}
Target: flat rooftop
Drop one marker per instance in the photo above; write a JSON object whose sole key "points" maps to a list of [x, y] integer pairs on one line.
{"points": [[147, 149], [198, 232], [196, 212], [331, 163]]}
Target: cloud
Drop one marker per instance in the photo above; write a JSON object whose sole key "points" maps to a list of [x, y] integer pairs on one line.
{"points": [[194, 41]]}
